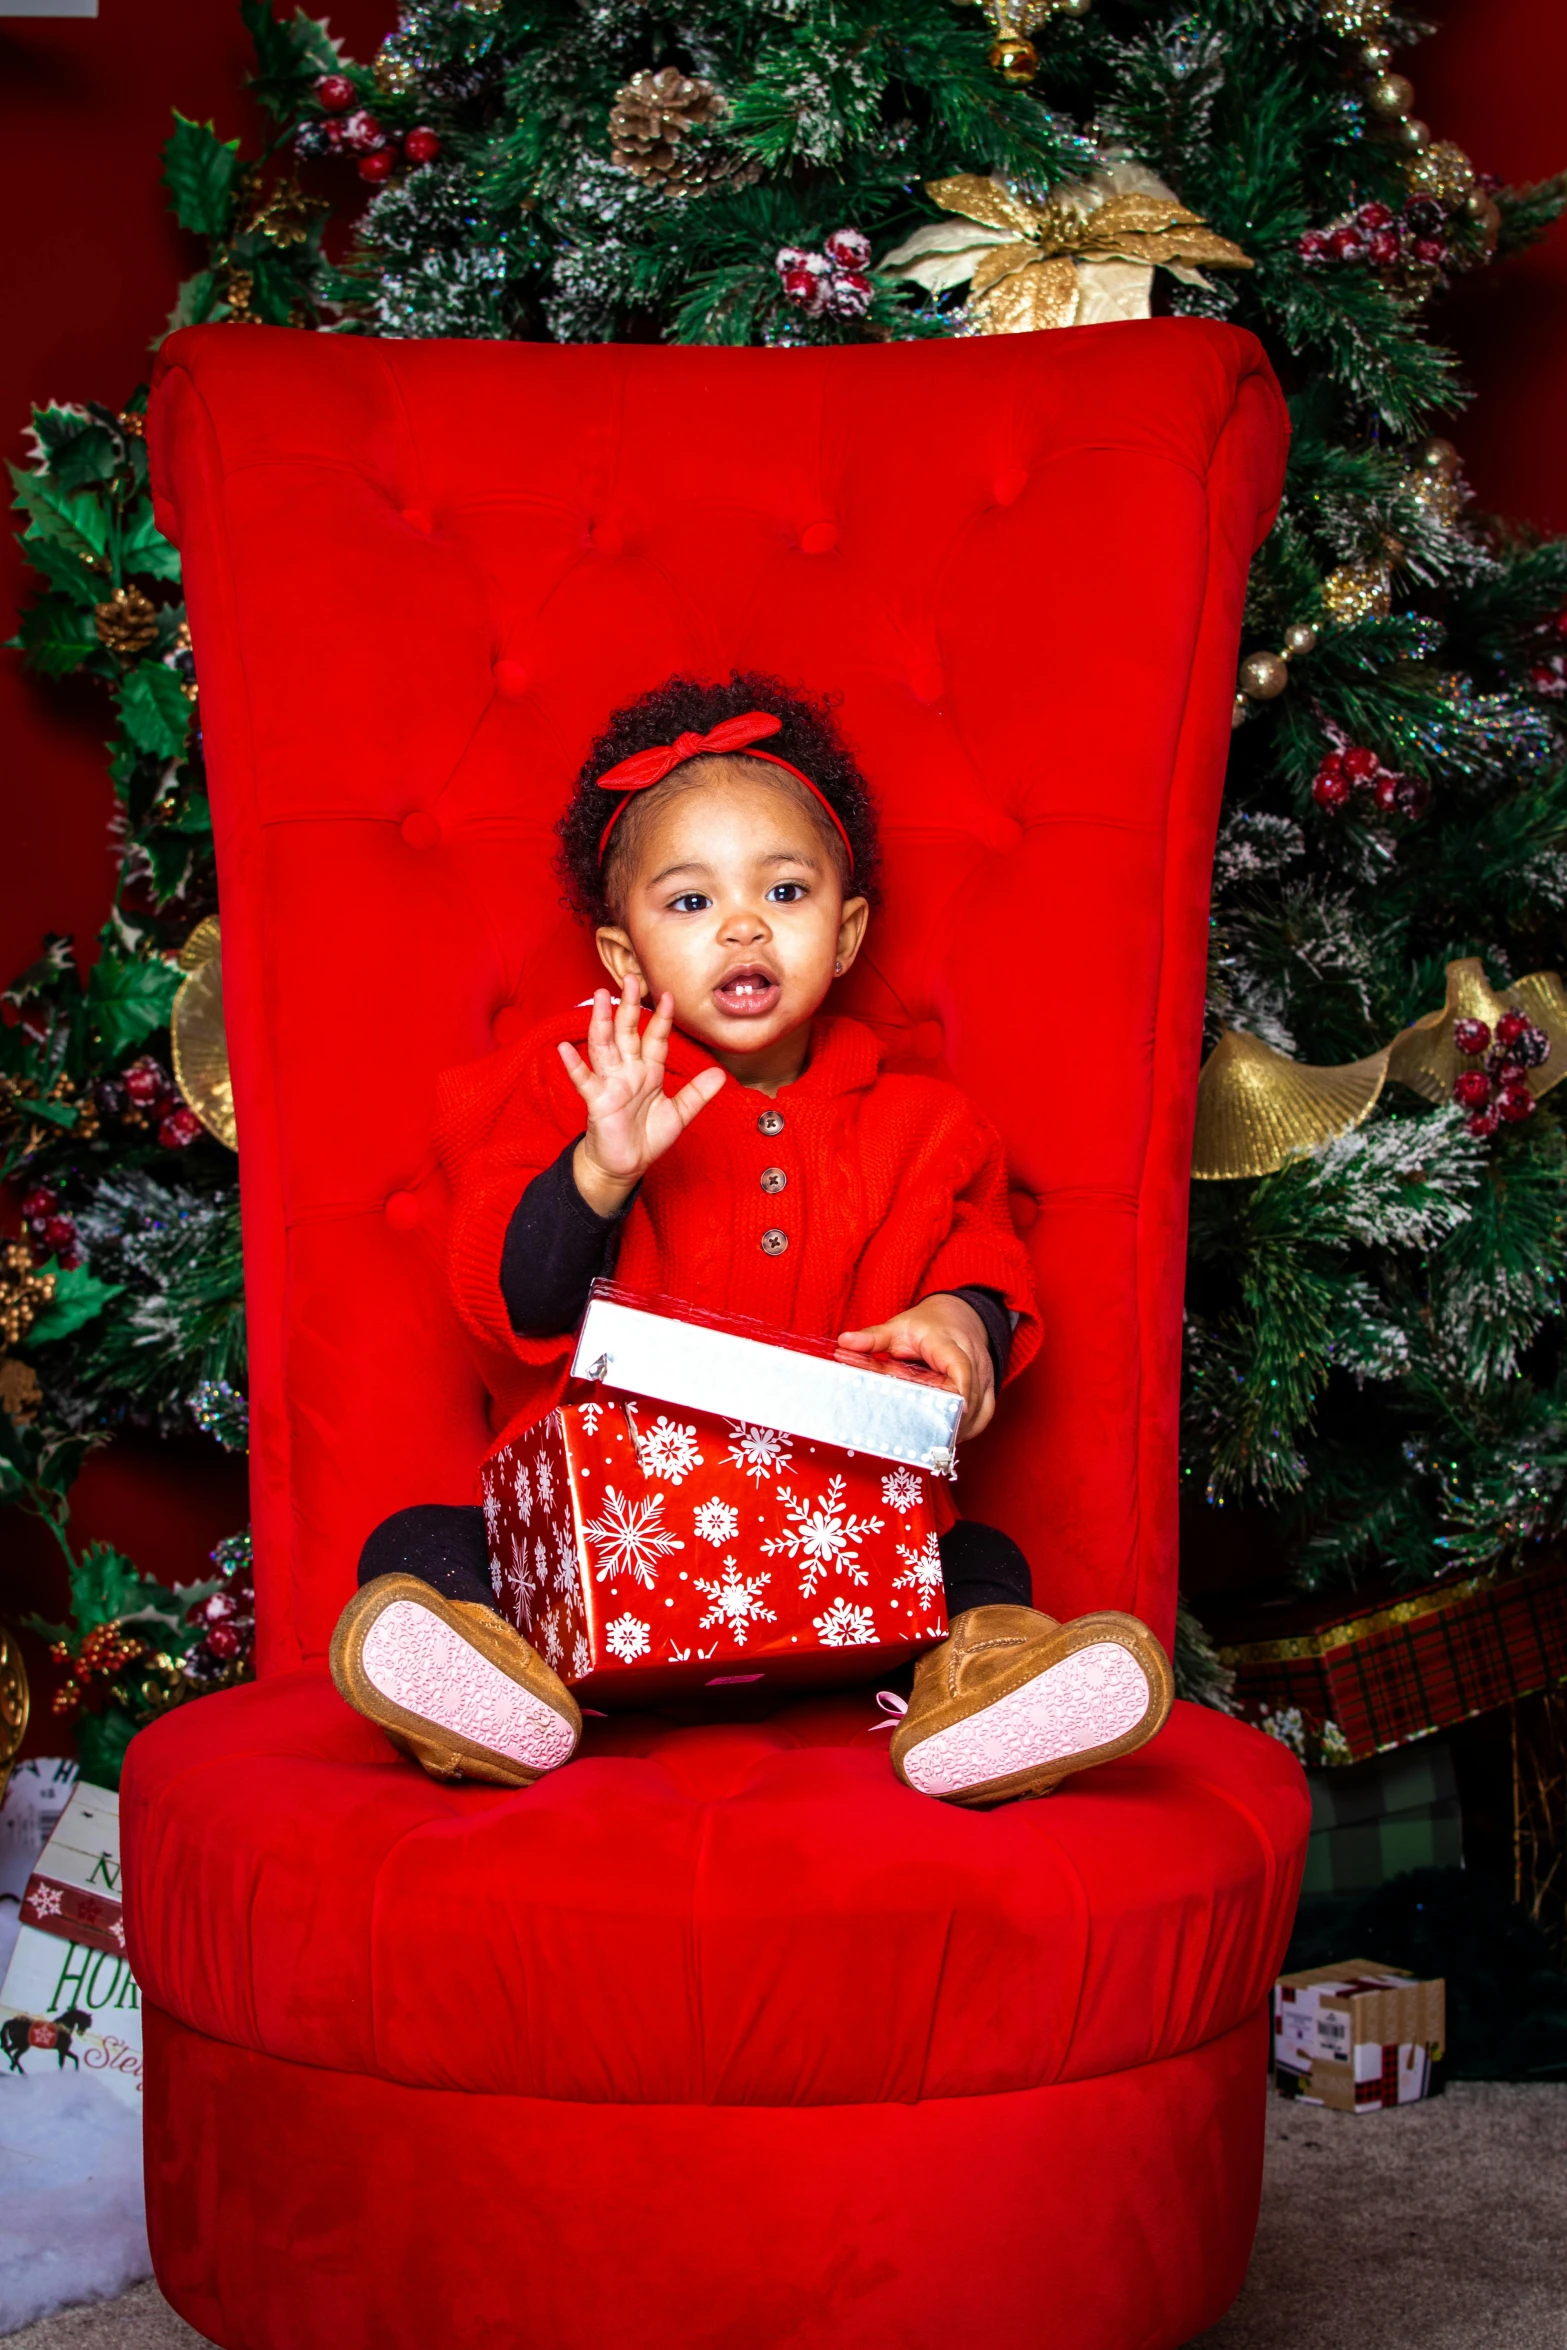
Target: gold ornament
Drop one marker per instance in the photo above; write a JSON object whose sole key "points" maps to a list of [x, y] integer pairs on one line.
{"points": [[1391, 96], [1413, 134], [24, 1292], [392, 73], [1087, 255], [14, 1705], [1263, 676], [1482, 207], [1439, 494], [1442, 171], [1358, 591], [200, 1048], [1300, 638], [1016, 60], [650, 117], [1355, 20], [127, 623], [1257, 1109]]}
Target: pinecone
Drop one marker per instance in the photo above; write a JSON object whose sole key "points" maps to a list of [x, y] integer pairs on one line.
{"points": [[127, 623], [648, 120]]}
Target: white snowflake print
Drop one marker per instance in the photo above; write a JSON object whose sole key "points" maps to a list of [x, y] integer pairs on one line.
{"points": [[902, 1491], [46, 1901], [822, 1535], [517, 1574], [760, 1452], [554, 1648], [628, 1638], [522, 1486], [581, 1662], [565, 1562], [541, 1564], [736, 1602], [669, 1451], [630, 1537], [844, 1626], [923, 1572], [591, 1414], [492, 1515], [545, 1480], [717, 1523], [497, 1578]]}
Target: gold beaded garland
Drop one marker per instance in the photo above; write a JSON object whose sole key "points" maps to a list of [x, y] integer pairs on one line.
{"points": [[1300, 638], [1263, 676], [1391, 96]]}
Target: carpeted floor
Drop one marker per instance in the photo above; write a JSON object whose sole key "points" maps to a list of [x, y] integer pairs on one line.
{"points": [[1443, 2227]]}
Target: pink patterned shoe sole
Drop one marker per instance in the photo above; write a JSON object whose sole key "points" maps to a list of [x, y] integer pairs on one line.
{"points": [[1091, 1697], [416, 1660]]}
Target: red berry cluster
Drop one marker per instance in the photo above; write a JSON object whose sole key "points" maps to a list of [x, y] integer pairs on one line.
{"points": [[49, 1234], [1548, 670], [1498, 1093], [105, 1651], [146, 1095], [832, 283], [1353, 769], [228, 1634], [347, 128], [1380, 237]]}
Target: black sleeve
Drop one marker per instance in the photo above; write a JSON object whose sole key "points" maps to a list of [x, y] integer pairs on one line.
{"points": [[556, 1247], [994, 1312]]}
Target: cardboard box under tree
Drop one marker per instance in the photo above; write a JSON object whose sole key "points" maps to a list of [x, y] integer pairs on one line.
{"points": [[1358, 2036], [717, 1503]]}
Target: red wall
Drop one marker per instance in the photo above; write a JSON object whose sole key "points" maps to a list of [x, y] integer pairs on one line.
{"points": [[92, 261]]}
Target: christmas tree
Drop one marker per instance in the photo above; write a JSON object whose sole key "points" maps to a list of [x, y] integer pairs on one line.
{"points": [[1375, 1336]]}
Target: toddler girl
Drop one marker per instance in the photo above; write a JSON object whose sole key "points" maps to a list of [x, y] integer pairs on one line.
{"points": [[744, 1151]]}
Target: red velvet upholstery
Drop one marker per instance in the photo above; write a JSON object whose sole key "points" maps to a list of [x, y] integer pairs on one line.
{"points": [[418, 576]]}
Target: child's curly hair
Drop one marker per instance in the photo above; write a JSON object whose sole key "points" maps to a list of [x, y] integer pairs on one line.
{"points": [[807, 738]]}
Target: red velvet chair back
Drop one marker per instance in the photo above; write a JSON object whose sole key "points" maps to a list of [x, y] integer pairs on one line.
{"points": [[419, 576]]}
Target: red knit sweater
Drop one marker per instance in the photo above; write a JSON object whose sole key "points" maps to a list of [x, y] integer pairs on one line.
{"points": [[895, 1188]]}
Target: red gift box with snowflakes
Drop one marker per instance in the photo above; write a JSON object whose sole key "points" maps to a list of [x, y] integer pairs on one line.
{"points": [[648, 1549]]}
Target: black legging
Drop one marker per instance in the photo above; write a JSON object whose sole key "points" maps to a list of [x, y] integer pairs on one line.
{"points": [[445, 1546]]}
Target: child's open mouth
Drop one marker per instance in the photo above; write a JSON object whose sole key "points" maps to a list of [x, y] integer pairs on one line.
{"points": [[747, 993]]}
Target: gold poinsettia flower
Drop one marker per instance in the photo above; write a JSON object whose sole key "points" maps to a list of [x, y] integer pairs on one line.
{"points": [[1086, 255]]}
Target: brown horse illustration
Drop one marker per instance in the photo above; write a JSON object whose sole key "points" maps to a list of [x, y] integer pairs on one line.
{"points": [[20, 2032]]}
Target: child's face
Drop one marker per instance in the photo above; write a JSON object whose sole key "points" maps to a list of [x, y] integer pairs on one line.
{"points": [[734, 905]]}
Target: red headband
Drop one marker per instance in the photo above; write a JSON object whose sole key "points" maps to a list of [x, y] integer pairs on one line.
{"points": [[646, 768]]}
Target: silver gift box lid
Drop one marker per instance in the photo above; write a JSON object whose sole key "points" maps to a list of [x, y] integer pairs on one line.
{"points": [[674, 1353]]}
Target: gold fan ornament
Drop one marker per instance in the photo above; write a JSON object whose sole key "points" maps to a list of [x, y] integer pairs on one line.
{"points": [[1257, 1109], [1086, 256], [201, 1053]]}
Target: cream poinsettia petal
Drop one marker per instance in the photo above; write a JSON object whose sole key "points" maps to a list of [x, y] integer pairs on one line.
{"points": [[941, 255], [1110, 290]]}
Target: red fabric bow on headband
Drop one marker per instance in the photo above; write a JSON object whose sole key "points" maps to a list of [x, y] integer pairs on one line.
{"points": [[645, 768]]}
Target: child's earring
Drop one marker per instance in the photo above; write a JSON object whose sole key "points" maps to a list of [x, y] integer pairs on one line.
{"points": [[837, 969]]}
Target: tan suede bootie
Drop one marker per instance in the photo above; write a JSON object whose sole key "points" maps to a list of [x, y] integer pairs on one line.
{"points": [[1013, 1701], [452, 1684]]}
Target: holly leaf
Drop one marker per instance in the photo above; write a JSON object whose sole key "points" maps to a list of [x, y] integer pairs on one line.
{"points": [[90, 455], [195, 301], [199, 171], [287, 55], [129, 999], [54, 638], [79, 1296], [154, 711], [144, 548], [64, 570], [77, 521]]}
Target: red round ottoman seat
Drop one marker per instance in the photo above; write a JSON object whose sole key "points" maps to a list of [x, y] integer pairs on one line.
{"points": [[718, 2038]]}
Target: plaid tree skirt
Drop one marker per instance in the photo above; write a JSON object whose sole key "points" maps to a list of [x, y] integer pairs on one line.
{"points": [[1388, 1673]]}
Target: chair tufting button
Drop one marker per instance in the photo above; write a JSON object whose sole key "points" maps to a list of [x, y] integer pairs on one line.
{"points": [[419, 518], [1025, 1209], [402, 1210], [1010, 484], [774, 1242], [818, 538], [511, 678], [608, 537], [928, 1040], [770, 1122], [421, 830]]}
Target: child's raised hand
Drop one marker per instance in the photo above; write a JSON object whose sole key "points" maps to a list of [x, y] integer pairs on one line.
{"points": [[631, 1120], [947, 1335]]}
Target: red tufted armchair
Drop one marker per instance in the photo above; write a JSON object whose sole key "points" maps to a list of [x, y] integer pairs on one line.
{"points": [[720, 2038]]}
